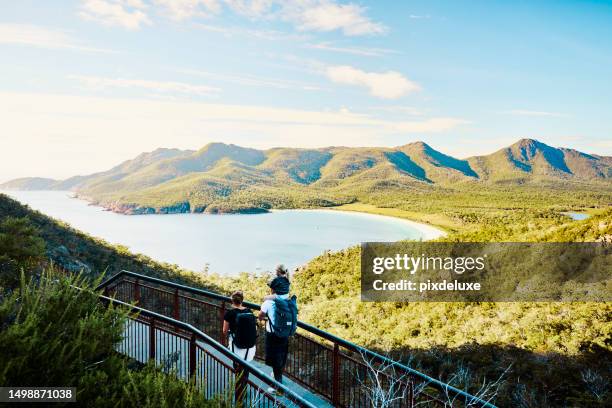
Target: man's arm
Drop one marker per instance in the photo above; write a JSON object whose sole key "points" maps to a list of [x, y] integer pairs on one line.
{"points": [[263, 312]]}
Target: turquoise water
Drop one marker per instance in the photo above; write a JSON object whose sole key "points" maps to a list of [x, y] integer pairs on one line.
{"points": [[229, 244], [577, 216]]}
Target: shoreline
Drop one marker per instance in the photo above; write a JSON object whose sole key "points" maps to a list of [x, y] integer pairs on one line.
{"points": [[438, 228], [428, 231]]}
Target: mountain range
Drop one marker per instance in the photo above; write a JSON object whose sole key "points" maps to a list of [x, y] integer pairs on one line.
{"points": [[225, 177]]}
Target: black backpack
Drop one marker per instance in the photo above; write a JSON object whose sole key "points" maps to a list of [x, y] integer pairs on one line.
{"points": [[245, 334], [285, 317]]}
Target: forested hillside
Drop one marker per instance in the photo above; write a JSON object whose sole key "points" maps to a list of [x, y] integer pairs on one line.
{"points": [[558, 353], [230, 178]]}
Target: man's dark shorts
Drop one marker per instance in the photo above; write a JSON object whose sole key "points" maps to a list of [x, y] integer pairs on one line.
{"points": [[276, 350]]}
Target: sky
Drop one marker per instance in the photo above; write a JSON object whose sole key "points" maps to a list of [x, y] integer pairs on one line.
{"points": [[87, 84]]}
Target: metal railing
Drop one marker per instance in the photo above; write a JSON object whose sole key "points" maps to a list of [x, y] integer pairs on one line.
{"points": [[178, 347], [336, 369]]}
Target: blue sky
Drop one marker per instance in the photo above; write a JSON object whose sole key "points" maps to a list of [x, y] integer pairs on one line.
{"points": [[86, 84]]}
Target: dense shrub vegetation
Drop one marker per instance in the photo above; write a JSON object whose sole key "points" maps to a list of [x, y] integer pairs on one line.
{"points": [[20, 249], [559, 354], [52, 334]]}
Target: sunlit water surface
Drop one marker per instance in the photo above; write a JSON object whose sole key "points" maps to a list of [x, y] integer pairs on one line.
{"points": [[229, 244]]}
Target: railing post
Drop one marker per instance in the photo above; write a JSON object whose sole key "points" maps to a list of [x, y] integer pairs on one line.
{"points": [[221, 316], [240, 388], [137, 291], [192, 356], [410, 393], [152, 339], [336, 376], [177, 312]]}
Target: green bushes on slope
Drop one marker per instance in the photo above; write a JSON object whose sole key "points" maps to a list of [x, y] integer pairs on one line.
{"points": [[559, 354], [52, 334], [21, 248]]}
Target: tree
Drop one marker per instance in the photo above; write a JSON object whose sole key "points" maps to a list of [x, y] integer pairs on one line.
{"points": [[21, 248]]}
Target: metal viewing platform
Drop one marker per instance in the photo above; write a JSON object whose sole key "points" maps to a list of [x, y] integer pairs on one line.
{"points": [[180, 327]]}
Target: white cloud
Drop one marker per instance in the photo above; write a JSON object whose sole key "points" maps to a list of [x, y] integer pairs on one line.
{"points": [[43, 37], [139, 4], [65, 108], [253, 9], [331, 16], [231, 31], [604, 143], [304, 15], [386, 85], [128, 14], [363, 51], [429, 125], [184, 9], [525, 112], [227, 31], [405, 110], [156, 86], [311, 15], [251, 80]]}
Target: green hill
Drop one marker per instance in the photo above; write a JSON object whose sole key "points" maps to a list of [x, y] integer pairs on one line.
{"points": [[221, 177], [530, 160], [438, 166], [30, 183]]}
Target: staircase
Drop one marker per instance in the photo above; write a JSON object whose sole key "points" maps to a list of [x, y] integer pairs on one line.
{"points": [[180, 328]]}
